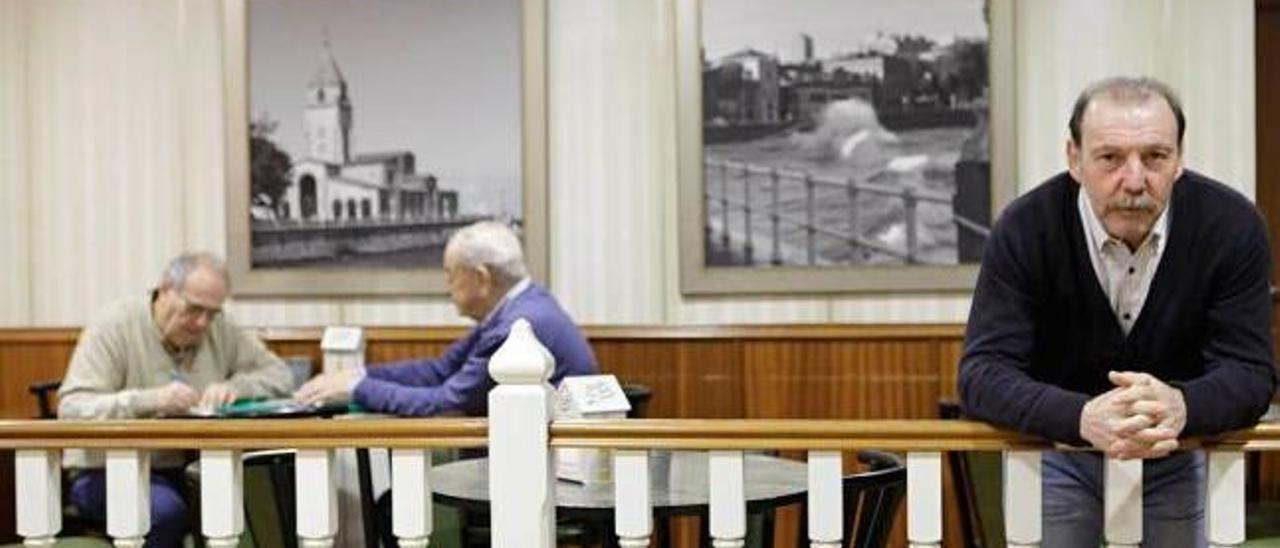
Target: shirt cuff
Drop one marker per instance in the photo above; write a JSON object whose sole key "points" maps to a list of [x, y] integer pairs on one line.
{"points": [[360, 374]]}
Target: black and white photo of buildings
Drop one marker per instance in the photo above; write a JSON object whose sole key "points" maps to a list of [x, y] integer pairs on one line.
{"points": [[378, 128], [845, 132]]}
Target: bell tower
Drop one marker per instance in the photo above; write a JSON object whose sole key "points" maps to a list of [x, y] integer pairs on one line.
{"points": [[327, 120]]}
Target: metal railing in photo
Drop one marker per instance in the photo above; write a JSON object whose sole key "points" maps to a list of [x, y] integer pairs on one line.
{"points": [[736, 198]]}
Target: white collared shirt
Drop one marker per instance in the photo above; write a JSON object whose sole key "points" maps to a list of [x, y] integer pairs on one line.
{"points": [[1125, 276], [515, 290]]}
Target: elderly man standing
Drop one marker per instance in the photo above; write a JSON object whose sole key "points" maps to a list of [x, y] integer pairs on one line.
{"points": [[158, 355], [1122, 305], [488, 282]]}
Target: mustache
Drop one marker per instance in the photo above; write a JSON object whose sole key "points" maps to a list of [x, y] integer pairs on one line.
{"points": [[1133, 204]]}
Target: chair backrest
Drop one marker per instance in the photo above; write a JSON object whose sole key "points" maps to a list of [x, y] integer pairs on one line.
{"points": [[44, 402], [977, 532], [269, 503], [638, 396], [871, 501]]}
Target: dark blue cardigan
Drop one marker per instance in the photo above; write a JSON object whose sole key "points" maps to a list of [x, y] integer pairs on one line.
{"points": [[1042, 336]]}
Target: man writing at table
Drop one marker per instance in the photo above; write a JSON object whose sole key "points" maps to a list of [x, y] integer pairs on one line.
{"points": [[158, 355], [1122, 305], [489, 283]]}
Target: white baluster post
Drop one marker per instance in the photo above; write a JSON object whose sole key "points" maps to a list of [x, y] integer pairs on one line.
{"points": [[38, 487], [521, 484], [316, 475], [1123, 502], [1224, 505], [221, 497], [411, 505], [128, 496], [728, 499], [634, 516], [924, 499], [826, 499], [1022, 519]]}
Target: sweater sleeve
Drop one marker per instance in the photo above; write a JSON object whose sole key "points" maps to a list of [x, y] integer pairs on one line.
{"points": [[456, 382], [93, 387], [425, 371], [1239, 376], [255, 370], [994, 382]]}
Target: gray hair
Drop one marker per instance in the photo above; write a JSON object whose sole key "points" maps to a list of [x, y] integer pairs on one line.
{"points": [[180, 267], [1126, 89], [493, 245]]}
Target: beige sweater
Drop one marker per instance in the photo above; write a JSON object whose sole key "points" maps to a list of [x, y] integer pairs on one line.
{"points": [[120, 364]]}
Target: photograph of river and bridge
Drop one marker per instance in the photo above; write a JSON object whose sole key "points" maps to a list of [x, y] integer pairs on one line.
{"points": [[374, 163], [845, 132]]}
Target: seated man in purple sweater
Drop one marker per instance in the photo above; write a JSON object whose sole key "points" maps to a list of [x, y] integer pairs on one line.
{"points": [[488, 282]]}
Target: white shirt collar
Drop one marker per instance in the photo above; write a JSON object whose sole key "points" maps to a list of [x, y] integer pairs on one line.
{"points": [[511, 294]]}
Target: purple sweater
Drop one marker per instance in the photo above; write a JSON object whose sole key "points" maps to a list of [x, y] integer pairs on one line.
{"points": [[458, 380]]}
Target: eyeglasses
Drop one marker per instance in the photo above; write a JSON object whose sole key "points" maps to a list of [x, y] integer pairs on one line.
{"points": [[195, 310]]}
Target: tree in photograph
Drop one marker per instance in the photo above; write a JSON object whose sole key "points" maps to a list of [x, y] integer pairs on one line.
{"points": [[269, 166]]}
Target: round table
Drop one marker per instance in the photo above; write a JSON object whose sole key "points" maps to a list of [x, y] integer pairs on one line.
{"points": [[678, 485]]}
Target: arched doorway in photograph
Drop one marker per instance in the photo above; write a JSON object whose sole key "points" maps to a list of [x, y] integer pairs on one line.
{"points": [[307, 198]]}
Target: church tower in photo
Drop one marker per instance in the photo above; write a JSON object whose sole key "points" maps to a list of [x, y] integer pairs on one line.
{"points": [[334, 184], [327, 124]]}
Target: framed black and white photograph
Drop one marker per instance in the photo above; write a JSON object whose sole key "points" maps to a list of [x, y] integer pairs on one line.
{"points": [[841, 145], [362, 134]]}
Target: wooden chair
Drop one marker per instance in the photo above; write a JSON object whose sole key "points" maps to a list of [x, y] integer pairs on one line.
{"points": [[871, 501]]}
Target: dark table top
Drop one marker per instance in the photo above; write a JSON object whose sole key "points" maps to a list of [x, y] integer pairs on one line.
{"points": [[678, 483]]}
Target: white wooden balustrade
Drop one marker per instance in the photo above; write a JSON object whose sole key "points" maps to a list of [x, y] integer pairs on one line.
{"points": [[222, 509], [521, 436], [826, 498], [1022, 502], [633, 519]]}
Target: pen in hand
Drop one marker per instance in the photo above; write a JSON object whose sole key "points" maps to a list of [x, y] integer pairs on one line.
{"points": [[178, 396]]}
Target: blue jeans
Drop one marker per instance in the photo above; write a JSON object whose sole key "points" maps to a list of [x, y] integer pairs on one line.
{"points": [[1172, 500], [169, 520]]}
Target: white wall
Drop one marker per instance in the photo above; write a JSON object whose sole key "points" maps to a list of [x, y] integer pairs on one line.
{"points": [[15, 221], [111, 148]]}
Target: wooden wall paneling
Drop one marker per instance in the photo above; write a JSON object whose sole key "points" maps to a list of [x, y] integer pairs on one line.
{"points": [[380, 352], [1267, 195], [711, 383], [841, 379], [949, 353], [1267, 117], [299, 349], [25, 363], [650, 363]]}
